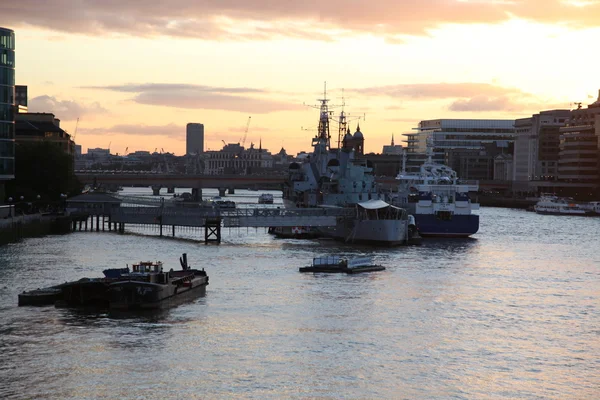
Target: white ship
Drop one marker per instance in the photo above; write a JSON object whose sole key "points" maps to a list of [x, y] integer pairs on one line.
{"points": [[437, 199], [333, 177], [554, 205]]}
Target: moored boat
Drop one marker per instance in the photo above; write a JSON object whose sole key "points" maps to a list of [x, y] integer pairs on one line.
{"points": [[265, 198], [149, 287], [549, 204], [375, 222], [335, 264], [40, 297], [336, 177], [439, 201], [146, 286]]}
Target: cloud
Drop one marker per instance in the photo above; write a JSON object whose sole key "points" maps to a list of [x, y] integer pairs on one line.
{"points": [[423, 91], [268, 19], [169, 87], [201, 97], [64, 109], [465, 97], [169, 130], [517, 104], [411, 120], [484, 103]]}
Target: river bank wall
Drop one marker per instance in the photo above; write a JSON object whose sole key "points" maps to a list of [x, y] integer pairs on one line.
{"points": [[15, 228], [505, 202]]}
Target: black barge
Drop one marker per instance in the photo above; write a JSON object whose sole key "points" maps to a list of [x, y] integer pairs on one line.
{"points": [[146, 286]]}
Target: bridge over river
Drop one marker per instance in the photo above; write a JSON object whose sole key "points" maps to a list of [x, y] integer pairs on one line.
{"points": [[113, 180], [222, 182]]}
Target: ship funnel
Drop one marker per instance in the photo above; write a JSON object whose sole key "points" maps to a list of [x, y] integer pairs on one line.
{"points": [[183, 261]]}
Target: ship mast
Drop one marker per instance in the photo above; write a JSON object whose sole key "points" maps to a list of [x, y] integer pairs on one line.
{"points": [[343, 124], [323, 130]]}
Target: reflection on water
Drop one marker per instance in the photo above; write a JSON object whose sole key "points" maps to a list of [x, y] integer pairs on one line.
{"points": [[506, 314]]}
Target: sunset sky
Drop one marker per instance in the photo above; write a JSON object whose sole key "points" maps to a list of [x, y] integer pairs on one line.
{"points": [[136, 72]]}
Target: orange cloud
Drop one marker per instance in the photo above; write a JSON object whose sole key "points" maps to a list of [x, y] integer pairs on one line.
{"points": [[170, 130], [192, 96], [64, 109], [437, 90], [266, 19]]}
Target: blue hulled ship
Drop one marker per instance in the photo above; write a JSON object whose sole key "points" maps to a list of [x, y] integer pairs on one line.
{"points": [[439, 201]]}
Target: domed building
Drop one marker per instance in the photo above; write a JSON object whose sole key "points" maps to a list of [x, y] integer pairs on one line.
{"points": [[354, 142]]}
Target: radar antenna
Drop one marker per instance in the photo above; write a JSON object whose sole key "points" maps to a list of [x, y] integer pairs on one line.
{"points": [[430, 144]]}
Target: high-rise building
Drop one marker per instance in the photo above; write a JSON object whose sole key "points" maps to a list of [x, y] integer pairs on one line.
{"points": [[537, 148], [469, 146], [194, 138], [579, 154], [21, 98], [7, 107]]}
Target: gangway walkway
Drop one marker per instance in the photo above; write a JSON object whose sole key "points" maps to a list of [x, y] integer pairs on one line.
{"points": [[240, 217]]}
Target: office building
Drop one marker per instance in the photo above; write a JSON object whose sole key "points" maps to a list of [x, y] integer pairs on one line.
{"points": [[235, 159], [42, 127], [21, 98], [537, 149], [194, 138], [469, 146], [579, 155], [7, 101]]}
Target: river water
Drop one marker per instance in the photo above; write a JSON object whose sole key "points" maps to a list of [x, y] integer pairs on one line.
{"points": [[511, 313]]}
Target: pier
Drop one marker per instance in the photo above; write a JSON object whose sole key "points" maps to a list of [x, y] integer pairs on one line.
{"points": [[103, 212]]}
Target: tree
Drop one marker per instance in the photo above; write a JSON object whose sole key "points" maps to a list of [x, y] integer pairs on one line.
{"points": [[44, 169]]}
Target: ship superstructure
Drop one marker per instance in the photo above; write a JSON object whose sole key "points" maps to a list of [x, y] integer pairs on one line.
{"points": [[333, 177], [438, 199]]}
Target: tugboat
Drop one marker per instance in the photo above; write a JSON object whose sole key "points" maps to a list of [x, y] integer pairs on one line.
{"points": [[149, 287], [337, 264]]}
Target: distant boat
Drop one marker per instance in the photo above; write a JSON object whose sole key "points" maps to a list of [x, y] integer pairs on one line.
{"points": [[225, 204], [265, 198], [554, 205]]}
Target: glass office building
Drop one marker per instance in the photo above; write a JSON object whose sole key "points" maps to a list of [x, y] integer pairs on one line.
{"points": [[7, 105]]}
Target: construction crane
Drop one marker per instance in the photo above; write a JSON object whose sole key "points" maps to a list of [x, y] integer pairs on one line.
{"points": [[246, 132], [75, 132]]}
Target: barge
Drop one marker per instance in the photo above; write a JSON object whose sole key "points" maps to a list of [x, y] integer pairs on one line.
{"points": [[145, 286], [149, 287], [337, 264]]}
